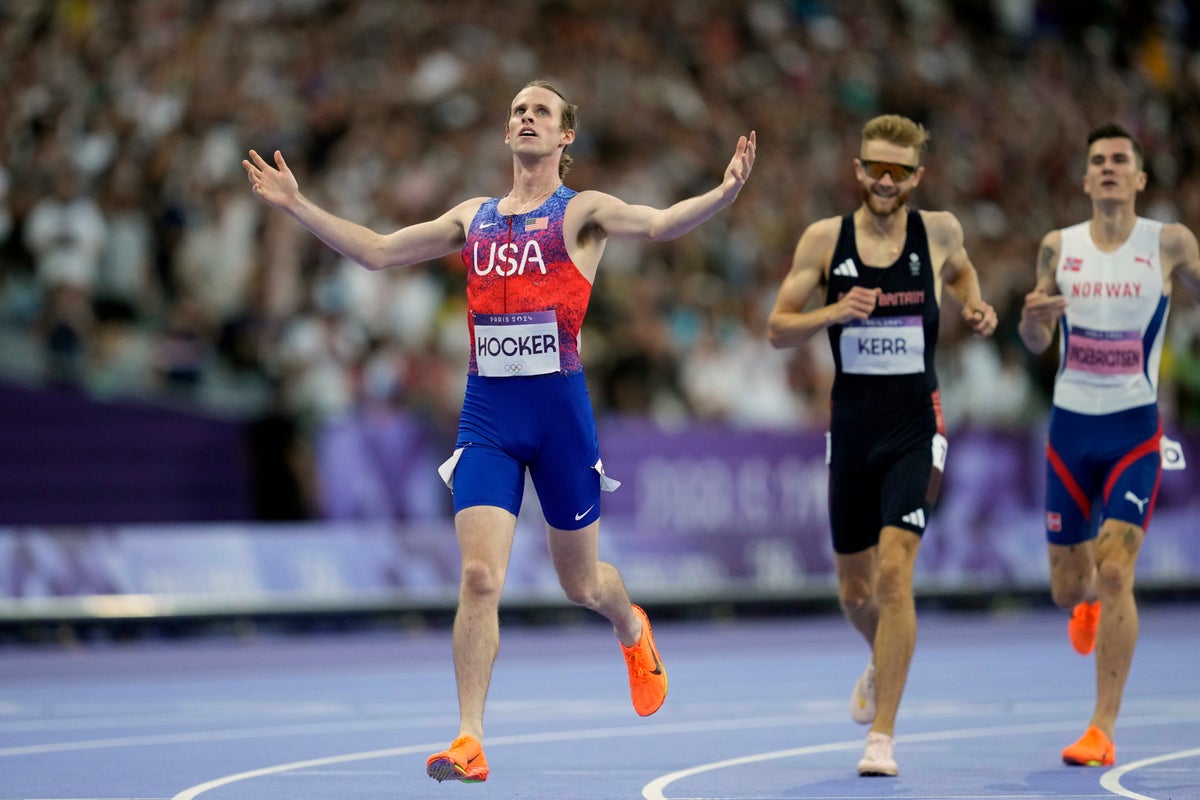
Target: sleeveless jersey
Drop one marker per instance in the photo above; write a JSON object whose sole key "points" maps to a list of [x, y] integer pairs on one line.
{"points": [[1114, 323], [518, 264], [888, 358]]}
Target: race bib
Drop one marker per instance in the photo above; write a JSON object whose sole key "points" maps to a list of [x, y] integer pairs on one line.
{"points": [[512, 345], [884, 346], [1105, 352]]}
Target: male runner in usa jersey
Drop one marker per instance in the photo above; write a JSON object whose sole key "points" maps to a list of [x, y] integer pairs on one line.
{"points": [[1105, 284], [884, 267], [531, 257]]}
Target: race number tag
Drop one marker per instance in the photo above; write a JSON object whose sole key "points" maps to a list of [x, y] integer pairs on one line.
{"points": [[941, 446], [511, 345], [884, 346], [1171, 452]]}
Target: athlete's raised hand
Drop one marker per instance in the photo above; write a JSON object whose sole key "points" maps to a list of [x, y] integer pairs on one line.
{"points": [[276, 185], [740, 165]]}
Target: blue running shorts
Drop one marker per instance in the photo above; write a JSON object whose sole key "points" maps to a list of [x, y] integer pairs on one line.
{"points": [[1100, 467], [543, 424]]}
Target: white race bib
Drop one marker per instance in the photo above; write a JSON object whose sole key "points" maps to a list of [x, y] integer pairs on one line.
{"points": [[884, 346], [511, 345]]}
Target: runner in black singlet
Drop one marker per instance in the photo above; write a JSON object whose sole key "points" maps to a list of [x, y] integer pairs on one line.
{"points": [[887, 439], [884, 267]]}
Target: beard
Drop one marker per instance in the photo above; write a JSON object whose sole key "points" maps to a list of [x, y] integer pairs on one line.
{"points": [[883, 207]]}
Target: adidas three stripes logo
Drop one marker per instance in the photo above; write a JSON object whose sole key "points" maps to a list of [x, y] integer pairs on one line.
{"points": [[846, 269]]}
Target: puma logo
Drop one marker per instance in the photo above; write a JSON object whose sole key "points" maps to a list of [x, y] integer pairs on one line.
{"points": [[1137, 501]]}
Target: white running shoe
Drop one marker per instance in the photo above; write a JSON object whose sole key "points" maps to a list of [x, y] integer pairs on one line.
{"points": [[862, 701], [877, 760]]}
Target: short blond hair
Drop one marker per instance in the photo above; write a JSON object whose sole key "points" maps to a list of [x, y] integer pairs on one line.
{"points": [[897, 130]]}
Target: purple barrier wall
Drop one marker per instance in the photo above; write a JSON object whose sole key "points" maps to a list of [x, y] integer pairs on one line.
{"points": [[703, 513], [69, 459]]}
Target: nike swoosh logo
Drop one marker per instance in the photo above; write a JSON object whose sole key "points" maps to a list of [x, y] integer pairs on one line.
{"points": [[585, 513], [658, 670], [471, 760], [488, 225]]}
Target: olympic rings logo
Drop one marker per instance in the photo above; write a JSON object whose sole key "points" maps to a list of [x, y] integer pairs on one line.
{"points": [[513, 369]]}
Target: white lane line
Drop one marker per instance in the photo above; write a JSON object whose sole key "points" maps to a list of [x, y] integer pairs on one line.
{"points": [[654, 789], [654, 730], [1111, 780], [309, 729], [808, 713], [497, 741], [199, 736]]}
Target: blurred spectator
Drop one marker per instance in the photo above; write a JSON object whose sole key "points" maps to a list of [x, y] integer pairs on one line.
{"points": [[66, 233], [65, 330], [133, 261]]}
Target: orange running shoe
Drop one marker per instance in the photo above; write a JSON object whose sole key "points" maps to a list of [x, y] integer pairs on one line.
{"points": [[1093, 749], [1085, 619], [464, 761], [647, 675]]}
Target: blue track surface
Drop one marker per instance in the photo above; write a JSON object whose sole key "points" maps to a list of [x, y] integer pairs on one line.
{"points": [[757, 710]]}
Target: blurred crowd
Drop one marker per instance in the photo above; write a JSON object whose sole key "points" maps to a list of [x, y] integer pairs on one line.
{"points": [[135, 262]]}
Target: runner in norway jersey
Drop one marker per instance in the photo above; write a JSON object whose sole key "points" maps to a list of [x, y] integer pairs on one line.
{"points": [[1109, 351], [1104, 285], [1112, 331]]}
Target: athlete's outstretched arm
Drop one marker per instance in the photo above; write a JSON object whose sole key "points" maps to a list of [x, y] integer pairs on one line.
{"points": [[620, 220], [789, 324], [277, 186], [1044, 305]]}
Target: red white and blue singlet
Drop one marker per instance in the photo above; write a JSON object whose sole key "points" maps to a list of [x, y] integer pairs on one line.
{"points": [[527, 407], [518, 265]]}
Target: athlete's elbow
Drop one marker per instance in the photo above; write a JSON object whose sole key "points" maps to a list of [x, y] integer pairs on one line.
{"points": [[662, 233], [777, 335], [375, 258]]}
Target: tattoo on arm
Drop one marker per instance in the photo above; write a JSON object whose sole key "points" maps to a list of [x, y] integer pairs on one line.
{"points": [[1046, 261]]}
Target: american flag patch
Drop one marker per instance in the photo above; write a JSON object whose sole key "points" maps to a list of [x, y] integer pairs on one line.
{"points": [[537, 223], [1072, 265], [1053, 521]]}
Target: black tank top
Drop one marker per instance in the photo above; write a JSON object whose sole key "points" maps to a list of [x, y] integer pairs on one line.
{"points": [[888, 360]]}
